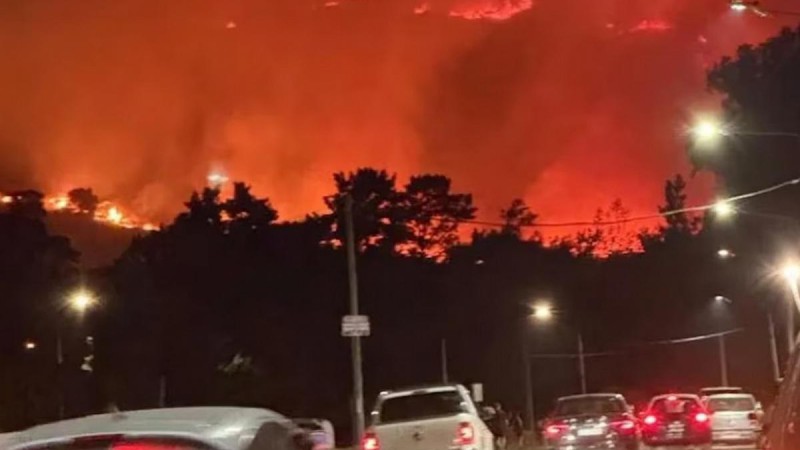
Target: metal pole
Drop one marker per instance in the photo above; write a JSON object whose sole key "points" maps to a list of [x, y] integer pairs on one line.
{"points": [[530, 417], [723, 360], [445, 375], [581, 363], [60, 372], [773, 348], [355, 342], [790, 336]]}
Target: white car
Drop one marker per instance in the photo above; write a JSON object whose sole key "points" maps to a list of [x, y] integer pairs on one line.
{"points": [[167, 429], [734, 418], [441, 417]]}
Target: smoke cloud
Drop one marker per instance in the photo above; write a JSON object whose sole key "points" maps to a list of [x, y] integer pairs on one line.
{"points": [[568, 103]]}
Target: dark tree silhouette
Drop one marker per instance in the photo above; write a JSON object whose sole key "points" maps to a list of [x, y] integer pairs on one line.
{"points": [[27, 203], [379, 220], [84, 200], [516, 217], [247, 211], [433, 214]]}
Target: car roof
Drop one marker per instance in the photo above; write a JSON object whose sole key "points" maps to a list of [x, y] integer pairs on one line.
{"points": [[218, 425], [731, 395], [679, 395], [721, 388], [595, 395], [423, 389]]}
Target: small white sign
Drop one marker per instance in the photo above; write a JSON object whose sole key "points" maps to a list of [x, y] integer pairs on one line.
{"points": [[355, 326], [477, 392]]}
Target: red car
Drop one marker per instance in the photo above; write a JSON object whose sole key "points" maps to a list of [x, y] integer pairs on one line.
{"points": [[676, 419]]}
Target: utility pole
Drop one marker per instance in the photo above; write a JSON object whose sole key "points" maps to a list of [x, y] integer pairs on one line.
{"points": [[581, 363], [445, 375], [60, 371], [723, 360], [355, 342], [790, 335], [773, 348], [530, 417]]}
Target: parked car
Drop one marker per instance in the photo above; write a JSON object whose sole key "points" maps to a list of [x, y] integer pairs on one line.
{"points": [[676, 419], [427, 418], [320, 431], [590, 421], [168, 429], [734, 418]]}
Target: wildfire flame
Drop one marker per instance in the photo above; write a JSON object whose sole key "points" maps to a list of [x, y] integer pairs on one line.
{"points": [[107, 212]]}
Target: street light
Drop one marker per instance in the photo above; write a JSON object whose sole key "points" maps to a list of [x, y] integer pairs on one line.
{"points": [[755, 6], [542, 312], [29, 345], [724, 253], [791, 273], [707, 130], [723, 209], [81, 300]]}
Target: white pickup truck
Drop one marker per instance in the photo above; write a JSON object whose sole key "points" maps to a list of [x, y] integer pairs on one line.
{"points": [[439, 417]]}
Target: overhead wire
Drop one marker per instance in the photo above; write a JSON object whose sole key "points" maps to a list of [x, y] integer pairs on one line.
{"points": [[673, 212]]}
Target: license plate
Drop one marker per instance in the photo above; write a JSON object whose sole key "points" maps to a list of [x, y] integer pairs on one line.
{"points": [[590, 431]]}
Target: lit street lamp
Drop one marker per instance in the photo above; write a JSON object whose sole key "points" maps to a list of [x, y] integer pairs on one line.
{"points": [[755, 6], [723, 209], [773, 346], [724, 253], [542, 312], [791, 273], [29, 345], [81, 300]]}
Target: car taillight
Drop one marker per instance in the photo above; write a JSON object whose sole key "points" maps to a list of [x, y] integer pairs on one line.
{"points": [[624, 426], [555, 430], [370, 441], [650, 420], [465, 434], [701, 417]]}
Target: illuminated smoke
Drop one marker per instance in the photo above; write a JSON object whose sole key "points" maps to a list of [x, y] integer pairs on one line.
{"points": [[569, 103]]}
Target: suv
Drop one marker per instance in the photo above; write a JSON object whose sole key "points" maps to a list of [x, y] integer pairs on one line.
{"points": [[592, 420], [427, 418], [707, 391], [734, 418]]}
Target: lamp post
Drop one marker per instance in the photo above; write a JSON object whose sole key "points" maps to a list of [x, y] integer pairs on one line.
{"points": [[791, 273], [79, 302]]}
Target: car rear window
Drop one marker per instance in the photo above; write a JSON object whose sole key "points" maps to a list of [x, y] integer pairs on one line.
{"points": [[676, 405], [590, 405], [732, 404], [420, 406]]}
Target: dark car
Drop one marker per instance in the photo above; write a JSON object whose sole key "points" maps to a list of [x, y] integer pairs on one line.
{"points": [[602, 421], [676, 419]]}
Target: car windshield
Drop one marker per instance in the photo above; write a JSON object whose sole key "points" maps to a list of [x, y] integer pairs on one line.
{"points": [[589, 405], [417, 406], [743, 403], [675, 405]]}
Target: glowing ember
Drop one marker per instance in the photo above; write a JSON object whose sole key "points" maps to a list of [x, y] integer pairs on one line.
{"points": [[58, 203], [651, 25], [422, 9], [114, 215], [499, 10], [216, 179], [6, 199]]}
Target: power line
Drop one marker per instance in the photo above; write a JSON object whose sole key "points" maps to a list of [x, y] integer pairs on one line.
{"points": [[596, 223], [637, 346]]}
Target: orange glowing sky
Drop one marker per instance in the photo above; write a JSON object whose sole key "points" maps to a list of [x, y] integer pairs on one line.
{"points": [[567, 103]]}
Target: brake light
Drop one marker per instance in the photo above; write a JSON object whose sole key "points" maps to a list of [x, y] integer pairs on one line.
{"points": [[370, 441], [701, 417], [465, 435], [624, 425], [555, 430], [650, 420]]}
